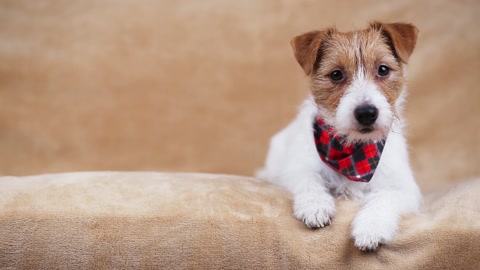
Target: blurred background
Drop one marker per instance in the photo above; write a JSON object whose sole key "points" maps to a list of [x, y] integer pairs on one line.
{"points": [[200, 86]]}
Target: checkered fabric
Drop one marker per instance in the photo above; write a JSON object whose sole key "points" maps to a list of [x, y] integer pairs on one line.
{"points": [[356, 161]]}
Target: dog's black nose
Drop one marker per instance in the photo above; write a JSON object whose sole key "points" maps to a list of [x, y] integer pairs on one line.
{"points": [[366, 115]]}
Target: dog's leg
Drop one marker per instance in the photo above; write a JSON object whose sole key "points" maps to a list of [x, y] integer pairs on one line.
{"points": [[393, 193], [377, 222], [293, 163], [312, 203]]}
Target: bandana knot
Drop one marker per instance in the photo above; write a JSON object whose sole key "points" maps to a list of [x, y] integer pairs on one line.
{"points": [[357, 161]]}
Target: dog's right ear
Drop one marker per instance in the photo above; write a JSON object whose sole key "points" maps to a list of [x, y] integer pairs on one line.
{"points": [[306, 47]]}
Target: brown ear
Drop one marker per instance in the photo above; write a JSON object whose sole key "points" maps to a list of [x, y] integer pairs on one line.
{"points": [[403, 37], [306, 46]]}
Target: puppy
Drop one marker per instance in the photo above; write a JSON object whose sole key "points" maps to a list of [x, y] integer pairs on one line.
{"points": [[346, 140]]}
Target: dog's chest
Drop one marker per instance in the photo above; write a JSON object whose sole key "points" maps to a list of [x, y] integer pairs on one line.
{"points": [[341, 187]]}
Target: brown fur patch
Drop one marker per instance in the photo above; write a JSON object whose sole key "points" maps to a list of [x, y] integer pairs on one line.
{"points": [[401, 37], [306, 48]]}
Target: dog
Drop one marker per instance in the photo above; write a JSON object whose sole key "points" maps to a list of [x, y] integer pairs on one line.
{"points": [[346, 141]]}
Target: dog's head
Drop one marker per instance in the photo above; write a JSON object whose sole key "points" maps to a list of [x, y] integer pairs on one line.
{"points": [[358, 78]]}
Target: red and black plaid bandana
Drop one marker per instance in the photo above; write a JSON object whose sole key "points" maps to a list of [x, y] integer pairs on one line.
{"points": [[356, 161]]}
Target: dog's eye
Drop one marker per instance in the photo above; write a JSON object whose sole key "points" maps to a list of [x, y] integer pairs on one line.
{"points": [[383, 71], [336, 75]]}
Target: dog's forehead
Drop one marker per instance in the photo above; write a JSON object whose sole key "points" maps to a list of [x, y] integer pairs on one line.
{"points": [[367, 39], [348, 49]]}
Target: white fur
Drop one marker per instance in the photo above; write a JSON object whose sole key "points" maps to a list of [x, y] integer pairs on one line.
{"points": [[293, 162], [362, 92]]}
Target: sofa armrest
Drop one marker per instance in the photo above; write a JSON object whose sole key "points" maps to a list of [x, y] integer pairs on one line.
{"points": [[113, 220]]}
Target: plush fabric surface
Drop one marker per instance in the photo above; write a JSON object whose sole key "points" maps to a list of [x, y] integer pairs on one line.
{"points": [[202, 85], [117, 220]]}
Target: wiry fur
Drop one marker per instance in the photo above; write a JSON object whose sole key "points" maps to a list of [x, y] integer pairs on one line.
{"points": [[293, 160]]}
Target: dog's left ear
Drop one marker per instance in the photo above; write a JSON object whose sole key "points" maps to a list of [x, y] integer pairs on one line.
{"points": [[403, 37]]}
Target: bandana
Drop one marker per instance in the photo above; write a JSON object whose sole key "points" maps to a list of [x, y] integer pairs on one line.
{"points": [[356, 161]]}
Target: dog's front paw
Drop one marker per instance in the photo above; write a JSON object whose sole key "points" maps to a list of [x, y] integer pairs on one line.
{"points": [[368, 242], [370, 233], [315, 210]]}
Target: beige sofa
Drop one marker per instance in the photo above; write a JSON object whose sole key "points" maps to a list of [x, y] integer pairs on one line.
{"points": [[200, 86]]}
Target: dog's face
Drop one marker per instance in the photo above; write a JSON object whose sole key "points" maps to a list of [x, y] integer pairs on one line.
{"points": [[358, 78]]}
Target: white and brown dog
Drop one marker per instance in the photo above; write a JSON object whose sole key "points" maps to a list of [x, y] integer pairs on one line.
{"points": [[350, 128]]}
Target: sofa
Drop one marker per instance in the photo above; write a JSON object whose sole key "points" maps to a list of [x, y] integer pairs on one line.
{"points": [[131, 130]]}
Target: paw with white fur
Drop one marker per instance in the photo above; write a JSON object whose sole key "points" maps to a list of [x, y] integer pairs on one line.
{"points": [[313, 209], [369, 232]]}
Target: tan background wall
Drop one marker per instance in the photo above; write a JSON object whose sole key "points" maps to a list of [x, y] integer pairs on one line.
{"points": [[202, 85]]}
